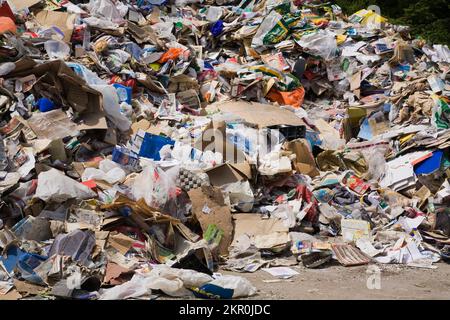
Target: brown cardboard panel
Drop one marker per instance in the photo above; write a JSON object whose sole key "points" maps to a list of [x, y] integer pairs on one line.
{"points": [[209, 208], [261, 115], [304, 162], [254, 225], [22, 4], [62, 20], [228, 173]]}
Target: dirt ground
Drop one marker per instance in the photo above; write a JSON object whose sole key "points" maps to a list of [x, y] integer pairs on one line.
{"points": [[337, 282]]}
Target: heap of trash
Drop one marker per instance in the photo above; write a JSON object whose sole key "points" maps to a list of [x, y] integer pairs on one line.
{"points": [[146, 146]]}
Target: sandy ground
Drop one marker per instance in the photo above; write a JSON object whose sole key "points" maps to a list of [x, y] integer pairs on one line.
{"points": [[338, 282]]}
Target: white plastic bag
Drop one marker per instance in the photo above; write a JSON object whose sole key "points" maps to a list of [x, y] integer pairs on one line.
{"points": [[57, 49], [214, 13], [284, 212], [241, 195], [6, 68], [241, 286], [322, 43], [132, 289], [100, 23], [155, 185], [376, 161], [107, 9], [112, 107], [112, 176], [190, 278], [266, 26], [53, 185], [107, 165]]}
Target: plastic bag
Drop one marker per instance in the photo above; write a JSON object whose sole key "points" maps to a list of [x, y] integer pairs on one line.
{"points": [[106, 165], [132, 289], [332, 142], [7, 25], [216, 28], [241, 286], [107, 9], [155, 185], [293, 98], [89, 76], [173, 282], [57, 49], [100, 23], [375, 158], [112, 176], [322, 44], [171, 54], [190, 278], [172, 287], [55, 186], [270, 31], [112, 107], [285, 213], [6, 68], [241, 195], [214, 13], [441, 112]]}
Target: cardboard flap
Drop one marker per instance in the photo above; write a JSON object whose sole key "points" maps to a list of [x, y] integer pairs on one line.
{"points": [[22, 4], [62, 20], [209, 209], [228, 173], [255, 225], [259, 114], [304, 162]]}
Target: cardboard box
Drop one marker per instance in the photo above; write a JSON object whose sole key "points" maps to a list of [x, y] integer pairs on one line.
{"points": [[229, 173], [63, 86], [304, 161], [64, 21]]}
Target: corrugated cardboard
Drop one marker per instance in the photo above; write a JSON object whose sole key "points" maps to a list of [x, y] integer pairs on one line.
{"points": [[258, 114], [209, 208], [144, 34], [304, 161], [63, 86], [213, 138], [22, 4], [254, 225], [229, 173], [61, 20]]}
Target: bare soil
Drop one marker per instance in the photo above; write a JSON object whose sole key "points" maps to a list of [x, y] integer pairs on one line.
{"points": [[342, 283]]}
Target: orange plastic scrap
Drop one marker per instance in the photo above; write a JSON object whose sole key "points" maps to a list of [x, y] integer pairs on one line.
{"points": [[7, 25], [293, 98], [171, 54]]}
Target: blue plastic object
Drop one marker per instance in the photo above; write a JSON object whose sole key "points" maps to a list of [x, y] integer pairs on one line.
{"points": [[211, 291], [217, 28], [45, 105], [152, 144], [431, 164], [16, 259], [125, 93]]}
